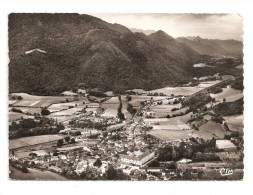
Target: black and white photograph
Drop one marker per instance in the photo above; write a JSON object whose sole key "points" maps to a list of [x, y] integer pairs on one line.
{"points": [[127, 96]]}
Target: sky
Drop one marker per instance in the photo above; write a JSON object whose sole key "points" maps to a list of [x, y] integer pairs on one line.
{"points": [[211, 26]]}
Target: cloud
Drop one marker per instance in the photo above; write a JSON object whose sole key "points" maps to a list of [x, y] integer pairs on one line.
{"points": [[212, 26]]}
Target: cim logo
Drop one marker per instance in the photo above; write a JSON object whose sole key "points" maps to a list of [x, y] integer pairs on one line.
{"points": [[226, 171]]}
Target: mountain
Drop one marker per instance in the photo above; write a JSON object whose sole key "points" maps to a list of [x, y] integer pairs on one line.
{"points": [[50, 53], [214, 47]]}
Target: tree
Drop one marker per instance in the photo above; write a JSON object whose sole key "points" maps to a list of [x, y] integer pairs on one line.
{"points": [[97, 163], [128, 98], [60, 142], [120, 115], [72, 141], [60, 126], [131, 109], [45, 111], [67, 139], [19, 98], [115, 174]]}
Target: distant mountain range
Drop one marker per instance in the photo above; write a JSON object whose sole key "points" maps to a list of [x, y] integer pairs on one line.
{"points": [[213, 47], [146, 32], [50, 53]]}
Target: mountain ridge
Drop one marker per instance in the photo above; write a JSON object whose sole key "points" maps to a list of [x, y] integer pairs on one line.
{"points": [[86, 49]]}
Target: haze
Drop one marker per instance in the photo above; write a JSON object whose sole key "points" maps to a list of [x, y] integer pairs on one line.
{"points": [[211, 26]]}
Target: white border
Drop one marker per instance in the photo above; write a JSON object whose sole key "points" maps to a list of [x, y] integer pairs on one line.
{"points": [[131, 6]]}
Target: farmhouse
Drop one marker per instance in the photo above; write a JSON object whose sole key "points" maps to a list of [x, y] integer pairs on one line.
{"points": [[137, 158]]}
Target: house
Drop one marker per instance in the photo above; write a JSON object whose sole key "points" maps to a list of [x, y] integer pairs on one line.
{"points": [[184, 161], [150, 114], [38, 153], [137, 158], [81, 91], [93, 105], [68, 93], [115, 127], [225, 145], [109, 93], [70, 148], [55, 169]]}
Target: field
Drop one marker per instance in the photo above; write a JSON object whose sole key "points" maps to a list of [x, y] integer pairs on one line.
{"points": [[57, 105], [235, 123], [162, 111], [64, 116], [211, 129], [171, 128], [38, 101], [175, 123], [34, 174], [229, 94], [13, 116], [33, 140], [169, 135], [63, 106], [67, 112], [184, 90]]}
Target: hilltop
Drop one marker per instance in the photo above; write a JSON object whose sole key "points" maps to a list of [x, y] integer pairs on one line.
{"points": [[214, 47]]}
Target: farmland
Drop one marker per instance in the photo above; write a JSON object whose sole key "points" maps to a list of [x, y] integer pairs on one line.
{"points": [[38, 101], [33, 140], [229, 94], [235, 122], [34, 174], [210, 130], [184, 90]]}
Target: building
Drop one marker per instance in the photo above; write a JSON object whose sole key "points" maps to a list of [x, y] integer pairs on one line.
{"points": [[225, 145], [137, 158], [68, 93], [38, 153], [81, 91], [150, 114]]}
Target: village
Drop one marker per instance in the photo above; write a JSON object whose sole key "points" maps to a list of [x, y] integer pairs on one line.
{"points": [[163, 134]]}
